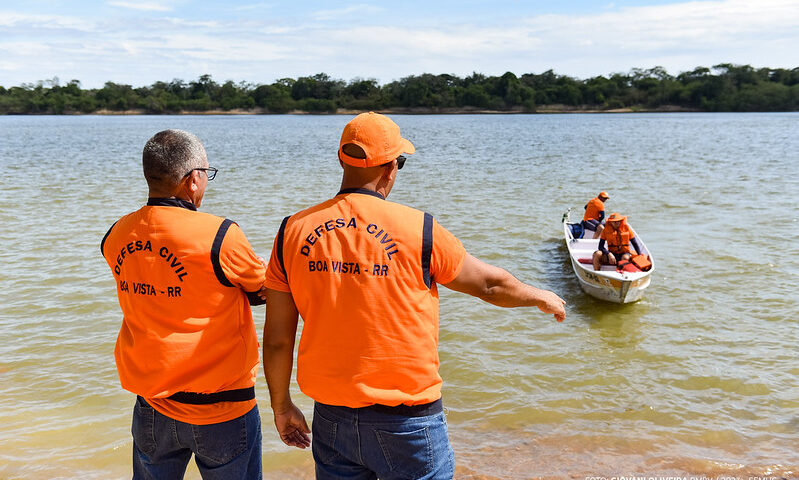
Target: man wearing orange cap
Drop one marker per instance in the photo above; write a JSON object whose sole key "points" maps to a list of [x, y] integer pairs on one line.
{"points": [[595, 213], [620, 237], [363, 273]]}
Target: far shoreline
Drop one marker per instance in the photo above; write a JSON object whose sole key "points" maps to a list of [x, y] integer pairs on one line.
{"points": [[542, 109]]}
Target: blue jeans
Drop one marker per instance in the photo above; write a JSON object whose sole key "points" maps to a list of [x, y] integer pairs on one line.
{"points": [[162, 446], [592, 224], [361, 444]]}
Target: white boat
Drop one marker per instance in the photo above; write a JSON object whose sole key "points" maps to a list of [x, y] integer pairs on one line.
{"points": [[607, 283]]}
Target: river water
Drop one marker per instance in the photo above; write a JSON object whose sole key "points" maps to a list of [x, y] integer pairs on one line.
{"points": [[700, 377]]}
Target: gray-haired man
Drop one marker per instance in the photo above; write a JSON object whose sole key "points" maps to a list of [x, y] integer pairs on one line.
{"points": [[187, 347]]}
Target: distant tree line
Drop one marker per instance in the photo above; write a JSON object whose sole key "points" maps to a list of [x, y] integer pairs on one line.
{"points": [[722, 88]]}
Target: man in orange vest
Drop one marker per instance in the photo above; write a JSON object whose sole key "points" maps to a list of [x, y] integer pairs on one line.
{"points": [[187, 347], [595, 213], [363, 273], [619, 237]]}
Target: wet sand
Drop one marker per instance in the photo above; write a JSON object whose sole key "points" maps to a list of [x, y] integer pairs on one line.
{"points": [[514, 456], [539, 109]]}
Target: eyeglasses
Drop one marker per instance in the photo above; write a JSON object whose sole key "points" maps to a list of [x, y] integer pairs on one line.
{"points": [[210, 171], [400, 162]]}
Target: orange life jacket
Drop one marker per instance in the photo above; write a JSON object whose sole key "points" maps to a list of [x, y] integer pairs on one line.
{"points": [[618, 240], [363, 273], [642, 262], [627, 266], [181, 279], [593, 209]]}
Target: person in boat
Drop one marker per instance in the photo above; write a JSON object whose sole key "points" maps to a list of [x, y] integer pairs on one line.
{"points": [[187, 347], [621, 243], [595, 214], [363, 273]]}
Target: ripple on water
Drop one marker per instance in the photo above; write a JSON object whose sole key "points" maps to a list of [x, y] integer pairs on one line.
{"points": [[699, 377]]}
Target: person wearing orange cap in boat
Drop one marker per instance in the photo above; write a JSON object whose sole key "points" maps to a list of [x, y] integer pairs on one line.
{"points": [[363, 272], [595, 214], [619, 237]]}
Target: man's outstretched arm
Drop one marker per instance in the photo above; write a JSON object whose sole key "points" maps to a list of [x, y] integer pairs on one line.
{"points": [[498, 287], [280, 330]]}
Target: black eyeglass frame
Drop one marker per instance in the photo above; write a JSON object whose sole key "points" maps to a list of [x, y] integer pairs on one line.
{"points": [[209, 171], [400, 162]]}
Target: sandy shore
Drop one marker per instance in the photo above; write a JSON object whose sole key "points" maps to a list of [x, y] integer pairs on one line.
{"points": [[540, 109]]}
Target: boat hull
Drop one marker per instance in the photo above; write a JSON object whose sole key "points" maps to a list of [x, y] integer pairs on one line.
{"points": [[610, 289], [606, 284]]}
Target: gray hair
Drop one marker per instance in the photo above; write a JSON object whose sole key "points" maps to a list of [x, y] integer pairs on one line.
{"points": [[169, 155]]}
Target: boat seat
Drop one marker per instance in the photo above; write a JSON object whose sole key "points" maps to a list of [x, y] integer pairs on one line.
{"points": [[604, 268], [587, 241], [584, 245], [583, 248]]}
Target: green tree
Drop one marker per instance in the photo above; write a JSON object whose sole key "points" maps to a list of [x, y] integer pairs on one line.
{"points": [[319, 86], [275, 98], [117, 97], [474, 95], [361, 94], [725, 87]]}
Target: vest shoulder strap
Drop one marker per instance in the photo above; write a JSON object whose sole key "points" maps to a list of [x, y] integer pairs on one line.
{"points": [[105, 237], [216, 247], [427, 248], [279, 247]]}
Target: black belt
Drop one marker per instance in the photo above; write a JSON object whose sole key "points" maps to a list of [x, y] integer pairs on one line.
{"points": [[408, 410], [239, 395]]}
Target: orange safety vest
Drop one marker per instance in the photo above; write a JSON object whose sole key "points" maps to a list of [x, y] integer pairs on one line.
{"points": [[618, 240], [593, 208], [627, 266], [363, 275], [182, 279]]}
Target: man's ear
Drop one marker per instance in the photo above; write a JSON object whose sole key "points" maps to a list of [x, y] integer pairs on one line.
{"points": [[389, 171], [192, 179]]}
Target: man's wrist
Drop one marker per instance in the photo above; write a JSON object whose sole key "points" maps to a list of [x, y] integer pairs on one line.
{"points": [[281, 406]]}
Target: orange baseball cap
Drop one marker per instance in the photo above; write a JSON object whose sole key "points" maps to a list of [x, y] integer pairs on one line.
{"points": [[616, 217], [604, 194], [378, 136]]}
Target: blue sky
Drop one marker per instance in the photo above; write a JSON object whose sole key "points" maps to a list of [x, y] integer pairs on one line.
{"points": [[139, 42]]}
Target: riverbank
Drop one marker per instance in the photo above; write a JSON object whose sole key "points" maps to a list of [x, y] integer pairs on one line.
{"points": [[541, 109]]}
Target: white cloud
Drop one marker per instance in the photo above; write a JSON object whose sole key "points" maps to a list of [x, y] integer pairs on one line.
{"points": [[352, 12], [23, 49], [10, 66], [263, 48], [254, 6], [191, 24], [46, 22], [678, 36], [143, 6]]}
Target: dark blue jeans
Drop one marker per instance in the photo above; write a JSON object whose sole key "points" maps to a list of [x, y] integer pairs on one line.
{"points": [[162, 446], [362, 444]]}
